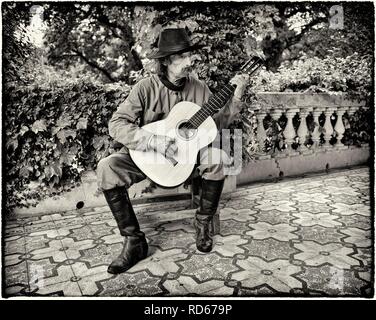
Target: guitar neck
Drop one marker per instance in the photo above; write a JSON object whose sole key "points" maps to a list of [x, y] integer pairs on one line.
{"points": [[218, 100], [215, 103]]}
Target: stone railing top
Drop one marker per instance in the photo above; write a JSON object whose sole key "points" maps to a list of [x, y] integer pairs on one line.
{"points": [[288, 100]]}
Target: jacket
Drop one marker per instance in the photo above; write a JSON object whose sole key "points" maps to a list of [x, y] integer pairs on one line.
{"points": [[151, 100]]}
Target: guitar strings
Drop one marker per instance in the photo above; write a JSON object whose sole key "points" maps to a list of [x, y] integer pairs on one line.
{"points": [[213, 104], [256, 64]]}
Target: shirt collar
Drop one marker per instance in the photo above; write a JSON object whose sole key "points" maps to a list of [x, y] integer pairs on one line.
{"points": [[171, 85]]}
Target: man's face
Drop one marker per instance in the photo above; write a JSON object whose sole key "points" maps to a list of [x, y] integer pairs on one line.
{"points": [[180, 65]]}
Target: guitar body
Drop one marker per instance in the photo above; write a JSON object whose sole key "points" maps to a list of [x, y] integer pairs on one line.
{"points": [[173, 172]]}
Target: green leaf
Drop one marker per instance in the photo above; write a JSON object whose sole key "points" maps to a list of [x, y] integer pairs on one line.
{"points": [[53, 170], [12, 144], [57, 169], [64, 134], [39, 125], [63, 123], [23, 130], [98, 142], [55, 130], [24, 172], [33, 185], [67, 158], [82, 124]]}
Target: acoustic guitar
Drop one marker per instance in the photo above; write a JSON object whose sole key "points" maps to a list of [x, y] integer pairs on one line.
{"points": [[193, 128]]}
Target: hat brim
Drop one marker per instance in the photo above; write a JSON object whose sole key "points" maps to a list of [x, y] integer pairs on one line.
{"points": [[162, 54]]}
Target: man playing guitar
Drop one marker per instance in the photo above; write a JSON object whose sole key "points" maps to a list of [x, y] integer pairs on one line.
{"points": [[150, 100]]}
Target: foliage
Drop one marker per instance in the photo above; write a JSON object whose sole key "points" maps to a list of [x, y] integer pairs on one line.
{"points": [[97, 36], [53, 133], [350, 74], [17, 48], [360, 127], [112, 39]]}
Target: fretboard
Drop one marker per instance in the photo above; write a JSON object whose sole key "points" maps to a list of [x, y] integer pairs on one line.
{"points": [[215, 103]]}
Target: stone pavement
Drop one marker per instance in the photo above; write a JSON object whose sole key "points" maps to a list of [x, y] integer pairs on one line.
{"points": [[305, 237]]}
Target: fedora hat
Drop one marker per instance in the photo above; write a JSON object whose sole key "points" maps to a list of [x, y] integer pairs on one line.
{"points": [[173, 41]]}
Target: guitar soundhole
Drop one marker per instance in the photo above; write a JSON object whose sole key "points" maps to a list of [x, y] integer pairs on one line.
{"points": [[184, 132]]}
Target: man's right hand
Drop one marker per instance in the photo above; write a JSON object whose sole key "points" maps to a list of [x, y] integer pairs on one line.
{"points": [[163, 144]]}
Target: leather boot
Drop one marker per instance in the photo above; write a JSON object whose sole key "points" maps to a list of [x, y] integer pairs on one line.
{"points": [[209, 200], [135, 246]]}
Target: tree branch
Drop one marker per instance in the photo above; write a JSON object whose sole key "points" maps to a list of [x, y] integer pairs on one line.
{"points": [[306, 28], [94, 65]]}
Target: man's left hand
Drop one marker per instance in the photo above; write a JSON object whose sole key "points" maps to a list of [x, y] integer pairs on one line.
{"points": [[241, 81]]}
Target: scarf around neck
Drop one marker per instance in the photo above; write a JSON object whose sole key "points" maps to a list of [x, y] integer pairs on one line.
{"points": [[175, 87]]}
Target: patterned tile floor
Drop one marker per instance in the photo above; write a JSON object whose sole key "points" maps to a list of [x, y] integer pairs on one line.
{"points": [[304, 237]]}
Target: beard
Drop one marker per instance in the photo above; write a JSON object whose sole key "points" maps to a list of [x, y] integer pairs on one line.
{"points": [[185, 72]]}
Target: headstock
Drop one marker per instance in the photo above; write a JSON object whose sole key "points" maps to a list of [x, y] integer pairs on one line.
{"points": [[252, 65]]}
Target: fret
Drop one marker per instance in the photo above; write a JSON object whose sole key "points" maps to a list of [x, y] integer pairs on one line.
{"points": [[199, 117], [215, 103], [194, 122], [204, 113], [204, 109], [224, 97], [208, 106], [223, 94], [200, 121], [212, 101], [219, 99], [202, 118], [207, 110], [197, 122], [230, 87], [229, 90], [211, 110]]}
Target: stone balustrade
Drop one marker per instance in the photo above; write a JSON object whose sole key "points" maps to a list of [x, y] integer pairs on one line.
{"points": [[302, 105], [307, 148]]}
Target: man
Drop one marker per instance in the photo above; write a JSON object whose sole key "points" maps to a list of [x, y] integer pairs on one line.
{"points": [[151, 99]]}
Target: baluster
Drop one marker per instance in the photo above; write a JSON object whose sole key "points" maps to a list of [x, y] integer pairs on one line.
{"points": [[316, 131], [350, 112], [261, 133], [303, 130], [339, 128], [276, 114], [289, 131], [328, 127]]}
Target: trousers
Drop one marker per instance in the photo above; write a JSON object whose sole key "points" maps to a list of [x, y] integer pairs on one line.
{"points": [[118, 169]]}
